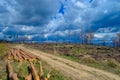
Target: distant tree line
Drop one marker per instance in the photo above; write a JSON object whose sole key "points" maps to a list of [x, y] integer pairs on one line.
{"points": [[88, 38], [82, 38]]}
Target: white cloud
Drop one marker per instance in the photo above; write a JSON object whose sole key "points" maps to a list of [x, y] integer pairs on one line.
{"points": [[5, 29], [27, 28], [108, 30], [106, 36], [55, 23], [29, 37], [98, 35], [80, 5]]}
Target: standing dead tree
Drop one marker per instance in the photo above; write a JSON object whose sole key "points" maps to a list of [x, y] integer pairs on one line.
{"points": [[103, 42], [69, 35], [91, 36], [85, 39], [43, 37], [75, 36], [82, 36], [117, 40], [57, 37]]}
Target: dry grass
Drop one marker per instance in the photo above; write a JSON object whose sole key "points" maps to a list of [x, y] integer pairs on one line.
{"points": [[112, 63], [88, 59], [3, 50]]}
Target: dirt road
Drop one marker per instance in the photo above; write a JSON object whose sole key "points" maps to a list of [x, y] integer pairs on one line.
{"points": [[72, 69]]}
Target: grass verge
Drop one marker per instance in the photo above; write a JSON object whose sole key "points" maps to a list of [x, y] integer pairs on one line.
{"points": [[109, 66]]}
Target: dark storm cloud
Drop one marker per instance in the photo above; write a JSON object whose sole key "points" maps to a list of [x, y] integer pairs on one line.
{"points": [[110, 20], [37, 12], [27, 12], [26, 16]]}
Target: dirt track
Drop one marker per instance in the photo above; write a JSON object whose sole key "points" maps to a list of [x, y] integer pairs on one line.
{"points": [[73, 69]]}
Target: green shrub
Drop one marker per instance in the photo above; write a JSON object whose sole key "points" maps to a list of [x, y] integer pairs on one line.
{"points": [[79, 50], [118, 71]]}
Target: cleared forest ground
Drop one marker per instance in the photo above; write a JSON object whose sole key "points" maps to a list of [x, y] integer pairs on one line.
{"points": [[101, 57], [73, 69]]}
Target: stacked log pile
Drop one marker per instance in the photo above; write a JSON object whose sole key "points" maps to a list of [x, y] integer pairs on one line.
{"points": [[21, 55]]}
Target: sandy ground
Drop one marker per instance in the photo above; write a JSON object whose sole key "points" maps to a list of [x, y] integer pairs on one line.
{"points": [[72, 69]]}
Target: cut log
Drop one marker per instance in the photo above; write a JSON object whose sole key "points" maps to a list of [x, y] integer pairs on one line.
{"points": [[9, 69], [13, 53], [26, 54], [18, 54], [34, 72], [30, 54], [29, 77], [14, 76], [11, 75]]}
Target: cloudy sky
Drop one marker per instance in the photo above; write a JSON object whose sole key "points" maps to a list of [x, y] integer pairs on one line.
{"points": [[52, 17]]}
